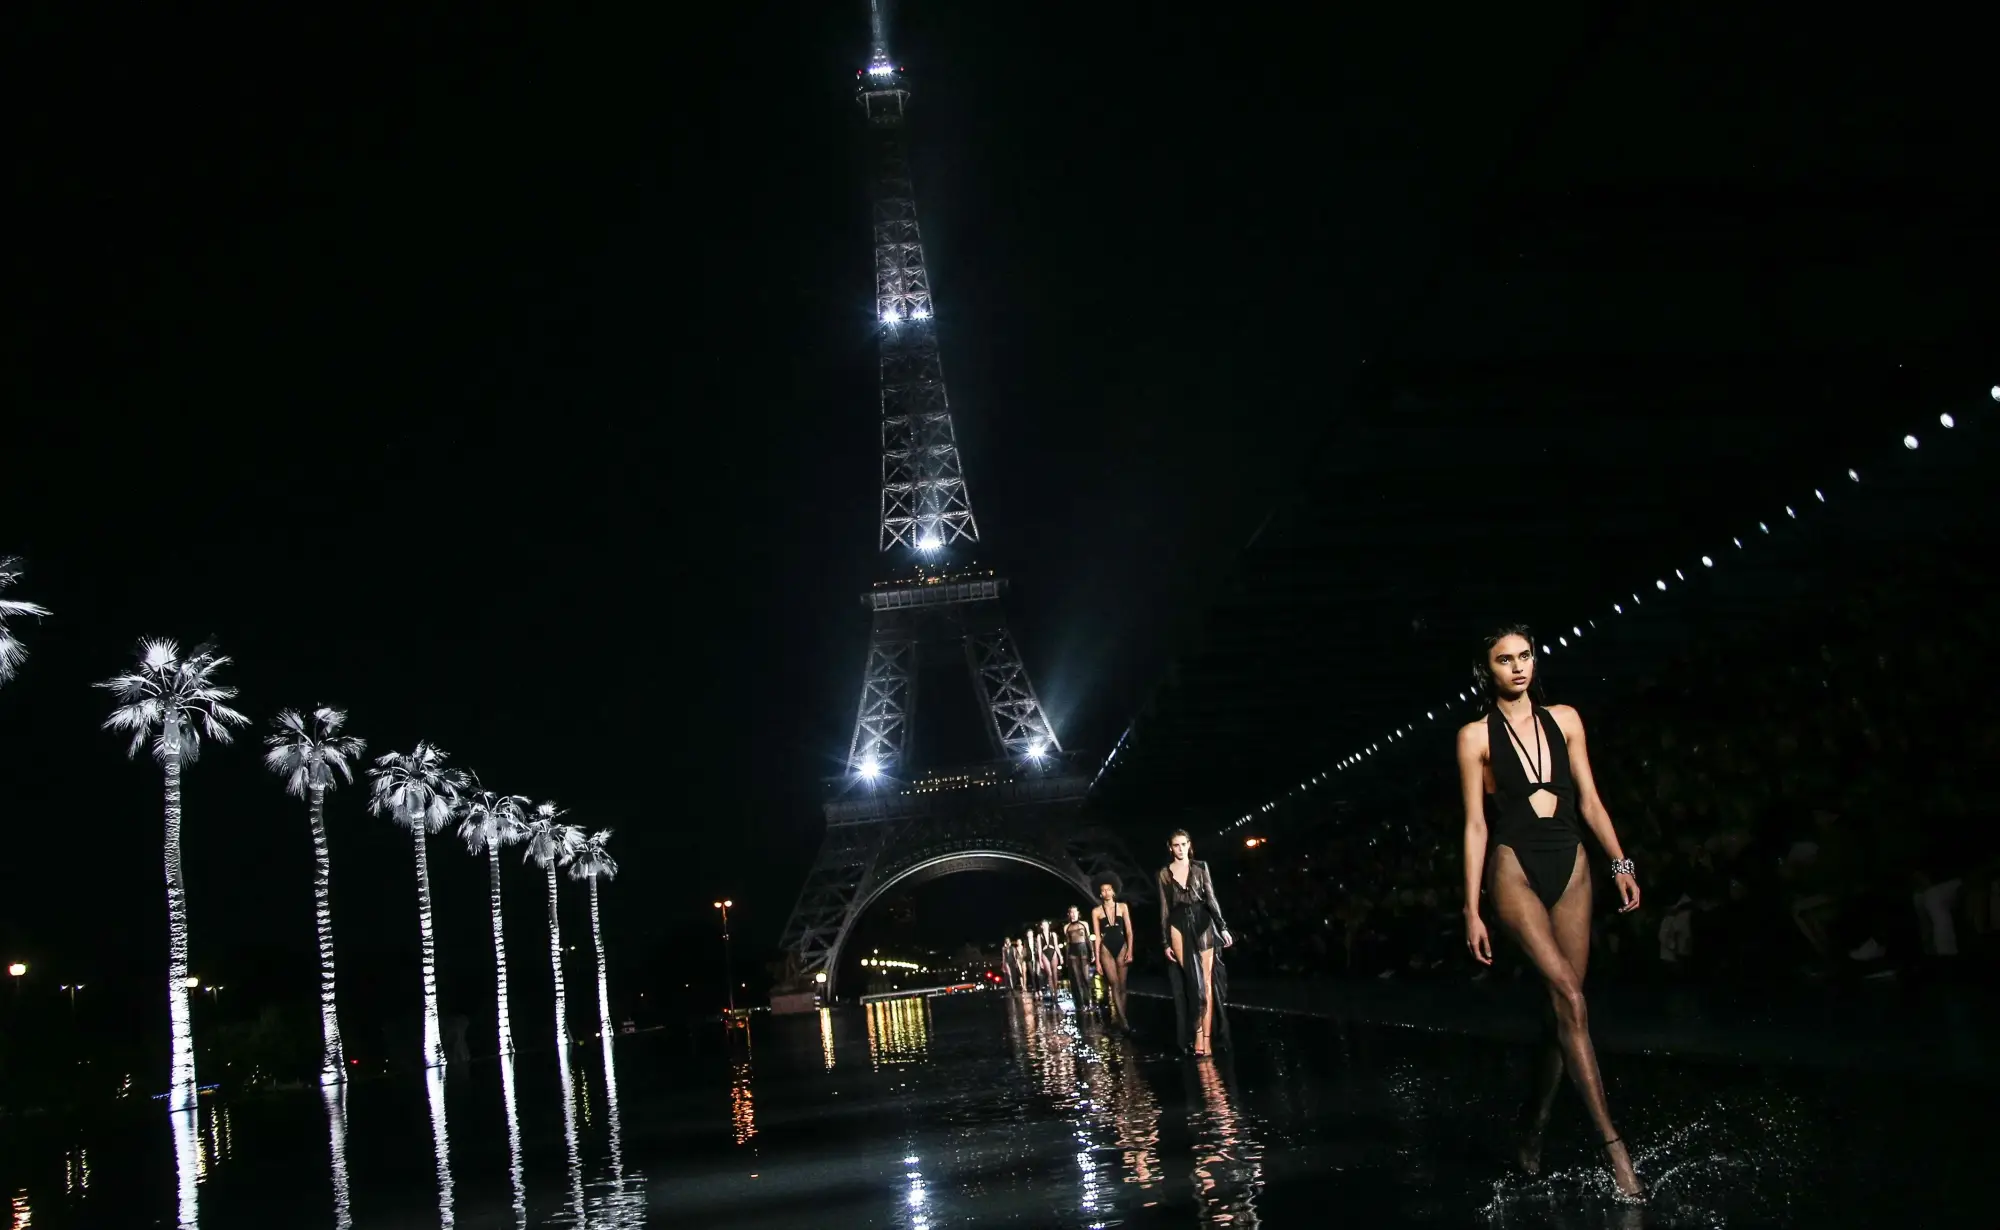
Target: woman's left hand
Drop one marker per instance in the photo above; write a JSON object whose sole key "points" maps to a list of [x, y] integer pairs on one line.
{"points": [[1628, 890], [1227, 939]]}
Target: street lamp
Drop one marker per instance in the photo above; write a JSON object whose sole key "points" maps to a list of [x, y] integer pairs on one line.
{"points": [[18, 969], [728, 975], [72, 988]]}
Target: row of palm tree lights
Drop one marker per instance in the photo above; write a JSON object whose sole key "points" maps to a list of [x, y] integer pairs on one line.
{"points": [[1910, 443], [171, 701]]}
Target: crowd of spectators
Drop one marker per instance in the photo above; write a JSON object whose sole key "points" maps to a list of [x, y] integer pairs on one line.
{"points": [[1802, 802]]}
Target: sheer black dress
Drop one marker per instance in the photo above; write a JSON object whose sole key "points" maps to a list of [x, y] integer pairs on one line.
{"points": [[1194, 912]]}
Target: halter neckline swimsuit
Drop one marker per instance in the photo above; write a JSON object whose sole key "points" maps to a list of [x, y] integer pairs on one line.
{"points": [[1545, 846]]}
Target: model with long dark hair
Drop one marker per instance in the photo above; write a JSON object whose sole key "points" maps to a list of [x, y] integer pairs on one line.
{"points": [[1191, 921], [1111, 925], [1526, 767]]}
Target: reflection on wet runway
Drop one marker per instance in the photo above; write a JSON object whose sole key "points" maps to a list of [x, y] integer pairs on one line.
{"points": [[992, 1109]]}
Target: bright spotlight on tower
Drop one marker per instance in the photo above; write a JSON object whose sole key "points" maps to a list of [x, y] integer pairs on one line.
{"points": [[930, 541], [889, 317], [1037, 750], [871, 768]]}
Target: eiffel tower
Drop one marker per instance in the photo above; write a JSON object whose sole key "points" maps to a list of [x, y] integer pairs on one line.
{"points": [[892, 823]]}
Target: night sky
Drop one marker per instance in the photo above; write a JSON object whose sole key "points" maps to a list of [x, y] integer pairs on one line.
{"points": [[509, 381]]}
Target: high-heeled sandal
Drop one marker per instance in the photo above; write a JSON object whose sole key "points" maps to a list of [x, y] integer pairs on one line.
{"points": [[1637, 1196]]}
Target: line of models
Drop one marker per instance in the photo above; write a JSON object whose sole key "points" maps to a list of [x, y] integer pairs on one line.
{"points": [[1525, 811], [1191, 924]]}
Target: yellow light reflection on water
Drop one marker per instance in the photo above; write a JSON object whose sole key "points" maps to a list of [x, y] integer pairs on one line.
{"points": [[24, 1215], [742, 1102], [899, 1030], [826, 1037]]}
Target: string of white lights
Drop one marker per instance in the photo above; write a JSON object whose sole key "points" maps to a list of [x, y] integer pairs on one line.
{"points": [[1578, 630]]}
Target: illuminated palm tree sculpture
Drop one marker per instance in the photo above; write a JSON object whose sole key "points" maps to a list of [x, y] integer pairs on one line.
{"points": [[308, 753], [552, 844], [11, 651], [592, 863], [419, 792], [488, 823], [174, 701]]}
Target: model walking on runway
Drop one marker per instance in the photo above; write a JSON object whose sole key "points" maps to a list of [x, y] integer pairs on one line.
{"points": [[1048, 954], [1111, 924], [1077, 945], [1192, 923], [1525, 769]]}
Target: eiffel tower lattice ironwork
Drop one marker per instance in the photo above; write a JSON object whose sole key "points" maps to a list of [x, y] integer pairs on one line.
{"points": [[892, 823]]}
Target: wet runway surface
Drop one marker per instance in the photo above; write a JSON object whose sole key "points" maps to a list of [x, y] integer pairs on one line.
{"points": [[990, 1110]]}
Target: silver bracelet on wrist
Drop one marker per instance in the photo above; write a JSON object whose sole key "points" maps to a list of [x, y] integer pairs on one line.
{"points": [[1623, 867]]}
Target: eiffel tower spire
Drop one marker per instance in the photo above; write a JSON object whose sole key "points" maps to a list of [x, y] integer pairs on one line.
{"points": [[889, 821], [925, 505]]}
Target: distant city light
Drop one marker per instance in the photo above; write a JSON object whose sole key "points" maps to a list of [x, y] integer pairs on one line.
{"points": [[1251, 843]]}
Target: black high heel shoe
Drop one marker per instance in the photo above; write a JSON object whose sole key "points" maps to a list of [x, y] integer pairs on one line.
{"points": [[1635, 1197]]}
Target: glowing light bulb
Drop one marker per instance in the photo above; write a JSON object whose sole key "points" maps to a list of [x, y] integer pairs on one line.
{"points": [[1995, 391], [1707, 562], [1909, 441], [1947, 420], [1662, 585], [1853, 476]]}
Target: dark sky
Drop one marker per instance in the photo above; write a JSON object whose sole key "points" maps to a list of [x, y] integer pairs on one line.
{"points": [[509, 381]]}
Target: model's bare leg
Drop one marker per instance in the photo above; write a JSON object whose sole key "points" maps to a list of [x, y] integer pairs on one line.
{"points": [[1570, 921], [1534, 930], [1207, 958], [1178, 943], [1114, 986]]}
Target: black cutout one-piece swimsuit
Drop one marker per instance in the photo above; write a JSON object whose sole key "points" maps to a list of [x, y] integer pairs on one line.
{"points": [[1545, 846]]}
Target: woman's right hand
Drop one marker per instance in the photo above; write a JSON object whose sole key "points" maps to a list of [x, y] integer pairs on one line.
{"points": [[1477, 940], [1171, 956]]}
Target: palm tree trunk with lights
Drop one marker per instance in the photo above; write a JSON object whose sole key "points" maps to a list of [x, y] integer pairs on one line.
{"points": [[499, 951], [556, 963], [433, 1038], [333, 1064], [603, 985], [180, 1081]]}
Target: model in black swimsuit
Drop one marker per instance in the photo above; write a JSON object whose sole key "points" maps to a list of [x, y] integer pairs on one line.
{"points": [[1545, 846], [1531, 868], [1111, 918]]}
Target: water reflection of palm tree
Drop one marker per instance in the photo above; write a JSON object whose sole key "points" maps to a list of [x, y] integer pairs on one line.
{"points": [[569, 1133], [1228, 1171], [514, 1169], [441, 1139], [336, 1134], [624, 1208], [187, 1166]]}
